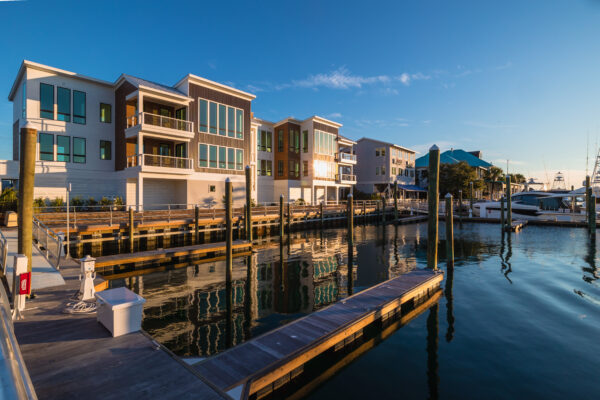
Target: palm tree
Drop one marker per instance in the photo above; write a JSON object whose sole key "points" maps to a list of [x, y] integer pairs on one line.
{"points": [[492, 175]]}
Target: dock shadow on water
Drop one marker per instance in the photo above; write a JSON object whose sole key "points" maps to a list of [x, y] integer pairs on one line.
{"points": [[521, 308]]}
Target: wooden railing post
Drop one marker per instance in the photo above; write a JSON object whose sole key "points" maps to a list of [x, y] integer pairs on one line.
{"points": [[449, 232]]}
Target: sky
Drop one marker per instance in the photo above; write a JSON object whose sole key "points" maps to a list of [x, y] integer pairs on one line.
{"points": [[517, 80]]}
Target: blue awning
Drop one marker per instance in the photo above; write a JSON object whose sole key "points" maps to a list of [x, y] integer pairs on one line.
{"points": [[412, 188]]}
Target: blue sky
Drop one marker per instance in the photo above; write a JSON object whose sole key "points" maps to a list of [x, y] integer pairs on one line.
{"points": [[515, 79]]}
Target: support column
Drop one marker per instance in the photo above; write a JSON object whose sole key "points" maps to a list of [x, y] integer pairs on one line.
{"points": [[433, 205]]}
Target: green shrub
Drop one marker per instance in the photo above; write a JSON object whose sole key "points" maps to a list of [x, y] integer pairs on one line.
{"points": [[77, 201], [39, 203], [57, 204], [91, 202]]}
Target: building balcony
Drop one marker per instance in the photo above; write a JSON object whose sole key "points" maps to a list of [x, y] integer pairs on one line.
{"points": [[164, 164], [158, 124], [346, 158], [345, 179]]}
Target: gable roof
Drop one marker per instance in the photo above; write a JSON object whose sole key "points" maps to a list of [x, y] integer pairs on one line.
{"points": [[453, 156], [137, 82]]}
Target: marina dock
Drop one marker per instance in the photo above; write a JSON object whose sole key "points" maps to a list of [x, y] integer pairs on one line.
{"points": [[262, 364]]}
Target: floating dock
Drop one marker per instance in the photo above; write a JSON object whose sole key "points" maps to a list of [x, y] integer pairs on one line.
{"points": [[262, 364]]}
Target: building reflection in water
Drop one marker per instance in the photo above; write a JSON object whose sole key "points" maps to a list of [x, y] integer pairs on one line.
{"points": [[433, 379]]}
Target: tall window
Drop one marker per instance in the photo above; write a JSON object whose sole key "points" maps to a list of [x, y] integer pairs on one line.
{"points": [[46, 101], [258, 140], [212, 163], [24, 100], [280, 141], [223, 157], [230, 122], [213, 117], [279, 167], [239, 159], [63, 148], [262, 140], [46, 147], [203, 155], [105, 113], [269, 167], [305, 141], [63, 100], [269, 141], [222, 120], [203, 126], [78, 107], [305, 168], [239, 127], [230, 158], [376, 170], [79, 150], [105, 150]]}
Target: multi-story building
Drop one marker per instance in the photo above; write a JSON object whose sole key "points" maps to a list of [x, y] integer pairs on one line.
{"points": [[382, 164], [303, 160], [148, 143]]}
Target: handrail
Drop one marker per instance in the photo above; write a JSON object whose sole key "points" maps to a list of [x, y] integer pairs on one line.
{"points": [[3, 252], [160, 120], [347, 156], [155, 160], [345, 177], [49, 241]]}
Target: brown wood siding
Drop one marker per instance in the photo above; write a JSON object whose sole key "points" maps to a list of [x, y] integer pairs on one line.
{"points": [[16, 140], [121, 123], [195, 92], [286, 155]]}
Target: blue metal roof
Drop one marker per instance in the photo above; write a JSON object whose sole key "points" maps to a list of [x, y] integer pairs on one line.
{"points": [[153, 85], [412, 188], [453, 156]]}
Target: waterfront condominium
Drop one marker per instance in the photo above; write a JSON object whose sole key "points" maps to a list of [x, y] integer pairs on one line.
{"points": [[304, 160], [382, 164], [147, 143]]}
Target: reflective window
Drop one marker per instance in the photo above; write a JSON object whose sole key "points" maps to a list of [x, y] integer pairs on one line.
{"points": [[79, 108], [222, 157], [46, 146], [63, 100], [239, 159], [203, 116], [203, 155], [63, 148], [105, 150], [222, 120], [239, 126], [213, 117], [78, 149], [212, 163], [105, 113], [230, 122], [230, 158], [46, 101]]}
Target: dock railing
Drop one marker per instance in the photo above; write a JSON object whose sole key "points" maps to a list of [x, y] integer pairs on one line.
{"points": [[3, 252], [48, 241]]}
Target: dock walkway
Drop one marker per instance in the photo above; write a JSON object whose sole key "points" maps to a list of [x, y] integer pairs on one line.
{"points": [[257, 365], [74, 357]]}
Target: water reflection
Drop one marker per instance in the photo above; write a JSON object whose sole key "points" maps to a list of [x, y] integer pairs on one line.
{"points": [[505, 260], [590, 274], [449, 303], [433, 378]]}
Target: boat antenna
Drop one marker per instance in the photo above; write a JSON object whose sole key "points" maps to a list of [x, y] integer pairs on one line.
{"points": [[546, 171]]}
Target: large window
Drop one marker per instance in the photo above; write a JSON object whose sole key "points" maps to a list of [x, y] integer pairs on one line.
{"points": [[294, 169], [230, 158], [203, 126], [105, 150], [239, 159], [63, 148], [63, 100], [265, 167], [212, 161], [24, 100], [78, 150], [259, 145], [222, 157], [213, 117], [105, 113], [239, 127], [269, 142], [46, 147], [305, 141], [265, 141], [79, 108], [203, 155], [230, 122], [46, 101], [280, 168], [294, 141], [305, 168], [222, 120], [280, 141]]}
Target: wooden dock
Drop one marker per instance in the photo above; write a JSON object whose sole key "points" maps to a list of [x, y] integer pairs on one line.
{"points": [[261, 364], [162, 255], [74, 357]]}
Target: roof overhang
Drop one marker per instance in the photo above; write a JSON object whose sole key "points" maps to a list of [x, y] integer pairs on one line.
{"points": [[288, 119], [216, 86], [322, 120]]}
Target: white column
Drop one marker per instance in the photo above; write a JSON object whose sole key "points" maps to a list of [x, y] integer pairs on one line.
{"points": [[140, 193]]}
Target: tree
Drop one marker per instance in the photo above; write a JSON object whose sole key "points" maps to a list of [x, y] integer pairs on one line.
{"points": [[455, 177], [492, 176]]}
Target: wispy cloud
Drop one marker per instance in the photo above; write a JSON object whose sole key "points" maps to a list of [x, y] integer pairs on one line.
{"points": [[335, 115], [338, 79], [381, 123]]}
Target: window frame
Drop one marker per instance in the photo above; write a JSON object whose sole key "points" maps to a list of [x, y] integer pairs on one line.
{"points": [[68, 154], [213, 129], [222, 117], [79, 119], [109, 121], [40, 152], [84, 156], [239, 123], [239, 159], [230, 158], [212, 159], [230, 122], [200, 146], [222, 157], [104, 142], [43, 110]]}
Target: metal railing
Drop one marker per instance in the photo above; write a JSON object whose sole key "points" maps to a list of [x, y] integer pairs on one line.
{"points": [[153, 160], [161, 121], [345, 178], [347, 157], [49, 242], [3, 252]]}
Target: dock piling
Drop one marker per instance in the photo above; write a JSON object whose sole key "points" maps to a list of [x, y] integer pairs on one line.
{"points": [[396, 202], [460, 202], [131, 230], [449, 231], [281, 217], [470, 199], [350, 215], [26, 183], [228, 230], [321, 214], [248, 204], [196, 224], [591, 207], [433, 205], [508, 204], [502, 222]]}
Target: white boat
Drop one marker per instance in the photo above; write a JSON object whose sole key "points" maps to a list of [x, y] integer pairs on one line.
{"points": [[535, 205]]}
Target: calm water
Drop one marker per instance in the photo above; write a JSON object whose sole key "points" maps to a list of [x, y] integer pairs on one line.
{"points": [[520, 316]]}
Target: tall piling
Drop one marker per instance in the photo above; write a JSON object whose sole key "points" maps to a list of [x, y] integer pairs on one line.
{"points": [[196, 224], [289, 218], [396, 202], [26, 184], [449, 232], [592, 222], [433, 206], [131, 229], [248, 216], [508, 204], [350, 220], [502, 222], [281, 218], [588, 200], [321, 214], [460, 208], [470, 199], [228, 230]]}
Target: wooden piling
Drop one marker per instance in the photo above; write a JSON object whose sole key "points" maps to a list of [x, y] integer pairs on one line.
{"points": [[460, 208], [587, 199], [248, 204], [433, 205], [350, 220], [592, 214], [449, 231], [289, 218], [470, 199], [228, 230], [26, 183], [396, 202], [321, 214], [508, 203], [281, 217], [196, 224], [502, 222], [131, 230]]}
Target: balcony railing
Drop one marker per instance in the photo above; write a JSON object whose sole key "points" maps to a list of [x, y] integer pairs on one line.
{"points": [[345, 178], [347, 157], [160, 121], [153, 160]]}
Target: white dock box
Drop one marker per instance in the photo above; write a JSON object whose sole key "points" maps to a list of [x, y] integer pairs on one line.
{"points": [[120, 310]]}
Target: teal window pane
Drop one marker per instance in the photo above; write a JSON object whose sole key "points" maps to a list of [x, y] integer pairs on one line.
{"points": [[46, 147], [239, 126], [63, 148], [63, 100], [212, 157], [24, 100], [230, 121], [230, 158], [239, 159], [222, 157], [46, 101], [105, 113], [203, 116], [79, 108], [78, 150], [203, 156], [222, 119], [213, 117], [105, 150]]}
